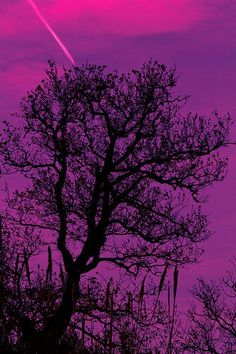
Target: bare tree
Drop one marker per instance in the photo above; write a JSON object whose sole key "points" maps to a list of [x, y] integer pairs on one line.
{"points": [[113, 172], [212, 320]]}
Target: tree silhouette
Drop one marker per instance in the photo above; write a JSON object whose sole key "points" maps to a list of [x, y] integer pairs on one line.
{"points": [[212, 320], [114, 171]]}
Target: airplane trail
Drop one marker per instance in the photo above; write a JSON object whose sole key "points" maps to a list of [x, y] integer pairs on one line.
{"points": [[55, 36]]}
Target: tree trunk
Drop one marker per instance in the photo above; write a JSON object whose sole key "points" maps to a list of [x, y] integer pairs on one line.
{"points": [[47, 340]]}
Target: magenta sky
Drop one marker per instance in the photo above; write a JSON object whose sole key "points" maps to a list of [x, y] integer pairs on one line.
{"points": [[196, 35]]}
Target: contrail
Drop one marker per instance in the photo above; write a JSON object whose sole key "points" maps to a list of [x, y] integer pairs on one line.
{"points": [[38, 13]]}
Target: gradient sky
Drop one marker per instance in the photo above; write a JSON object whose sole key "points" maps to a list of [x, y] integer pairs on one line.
{"points": [[198, 36]]}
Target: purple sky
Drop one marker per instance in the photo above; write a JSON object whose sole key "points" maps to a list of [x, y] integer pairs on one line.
{"points": [[198, 36]]}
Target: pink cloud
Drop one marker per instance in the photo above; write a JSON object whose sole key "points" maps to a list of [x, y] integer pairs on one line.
{"points": [[18, 79], [126, 17], [15, 18], [33, 73]]}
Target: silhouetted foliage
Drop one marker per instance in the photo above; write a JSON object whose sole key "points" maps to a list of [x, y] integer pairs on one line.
{"points": [[114, 173], [212, 327]]}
